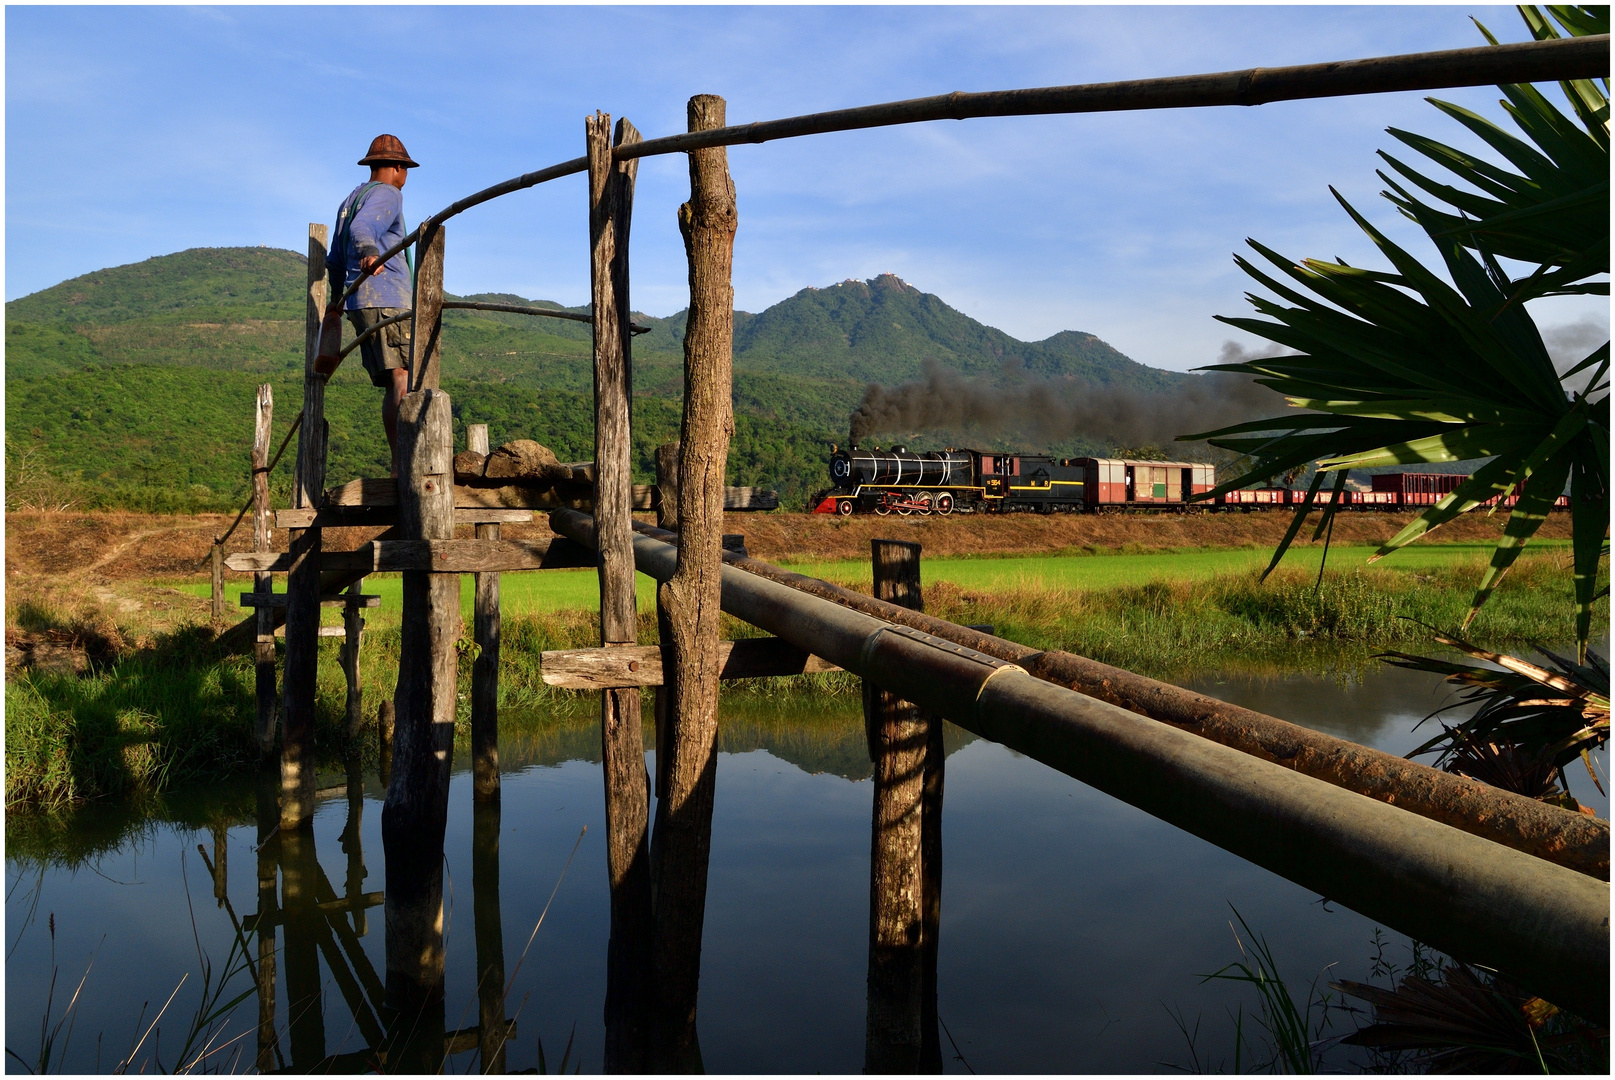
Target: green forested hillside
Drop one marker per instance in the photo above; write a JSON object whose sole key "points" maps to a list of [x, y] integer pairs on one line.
{"points": [[133, 386]]}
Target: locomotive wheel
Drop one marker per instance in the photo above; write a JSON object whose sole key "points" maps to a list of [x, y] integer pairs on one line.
{"points": [[882, 509], [925, 500], [844, 507], [943, 504]]}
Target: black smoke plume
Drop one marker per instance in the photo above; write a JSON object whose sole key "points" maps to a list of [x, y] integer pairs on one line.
{"points": [[1052, 409]]}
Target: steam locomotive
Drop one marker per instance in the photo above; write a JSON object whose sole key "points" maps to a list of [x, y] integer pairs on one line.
{"points": [[968, 481], [972, 481]]}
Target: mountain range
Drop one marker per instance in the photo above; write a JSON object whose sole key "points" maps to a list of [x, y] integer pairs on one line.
{"points": [[133, 385]]}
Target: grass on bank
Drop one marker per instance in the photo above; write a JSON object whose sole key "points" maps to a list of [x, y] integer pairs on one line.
{"points": [[173, 708]]}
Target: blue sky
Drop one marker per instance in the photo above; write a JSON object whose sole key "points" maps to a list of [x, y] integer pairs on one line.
{"points": [[133, 132]]}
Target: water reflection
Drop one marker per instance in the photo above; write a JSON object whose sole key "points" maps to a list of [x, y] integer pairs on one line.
{"points": [[1070, 918]]}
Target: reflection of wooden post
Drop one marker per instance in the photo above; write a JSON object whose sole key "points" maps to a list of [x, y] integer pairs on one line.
{"points": [[684, 815], [352, 632], [611, 195], [303, 582], [268, 856], [485, 669], [263, 650], [416, 810], [221, 853], [305, 1007], [352, 841], [897, 743], [667, 517], [490, 936]]}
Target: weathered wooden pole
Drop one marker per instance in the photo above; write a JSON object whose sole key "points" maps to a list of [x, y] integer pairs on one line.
{"points": [[303, 582], [416, 810], [485, 669], [897, 743], [611, 201], [667, 517], [692, 597], [386, 716], [263, 650], [491, 1030], [931, 874], [218, 583], [352, 634]]}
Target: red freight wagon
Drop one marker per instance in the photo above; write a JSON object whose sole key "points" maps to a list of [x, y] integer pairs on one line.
{"points": [[1417, 489]]}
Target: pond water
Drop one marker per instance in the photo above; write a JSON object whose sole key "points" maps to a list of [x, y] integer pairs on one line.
{"points": [[1075, 930]]}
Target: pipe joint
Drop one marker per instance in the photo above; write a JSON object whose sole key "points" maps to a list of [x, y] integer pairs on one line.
{"points": [[940, 675]]}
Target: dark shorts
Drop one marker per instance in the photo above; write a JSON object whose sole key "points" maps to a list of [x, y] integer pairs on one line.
{"points": [[388, 349]]}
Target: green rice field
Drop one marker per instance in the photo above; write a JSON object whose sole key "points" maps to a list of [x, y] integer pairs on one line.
{"points": [[569, 590]]}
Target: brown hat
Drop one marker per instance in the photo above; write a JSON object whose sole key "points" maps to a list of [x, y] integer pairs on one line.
{"points": [[387, 150]]}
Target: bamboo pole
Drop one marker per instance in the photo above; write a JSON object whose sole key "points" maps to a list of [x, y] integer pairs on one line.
{"points": [[1547, 832], [485, 669], [303, 582], [263, 649], [691, 597], [897, 744], [611, 197]]}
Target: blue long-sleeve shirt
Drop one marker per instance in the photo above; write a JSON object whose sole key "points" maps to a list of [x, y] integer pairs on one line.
{"points": [[377, 226]]}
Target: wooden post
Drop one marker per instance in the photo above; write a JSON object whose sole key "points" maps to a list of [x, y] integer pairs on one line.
{"points": [[221, 855], [263, 650], [416, 811], [667, 517], [611, 200], [426, 325], [385, 722], [489, 932], [352, 633], [303, 582], [897, 745], [485, 669], [684, 815], [931, 875], [218, 584]]}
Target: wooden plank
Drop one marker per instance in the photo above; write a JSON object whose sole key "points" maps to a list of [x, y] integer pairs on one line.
{"points": [[340, 517], [303, 576], [628, 955], [684, 817], [249, 600], [643, 665], [263, 649], [439, 556]]}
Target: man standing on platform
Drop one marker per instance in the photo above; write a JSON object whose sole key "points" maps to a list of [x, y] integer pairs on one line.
{"points": [[368, 223]]}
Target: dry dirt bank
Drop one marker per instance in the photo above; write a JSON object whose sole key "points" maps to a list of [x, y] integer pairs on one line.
{"points": [[119, 546]]}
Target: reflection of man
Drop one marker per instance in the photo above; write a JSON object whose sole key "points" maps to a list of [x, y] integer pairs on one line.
{"points": [[368, 223]]}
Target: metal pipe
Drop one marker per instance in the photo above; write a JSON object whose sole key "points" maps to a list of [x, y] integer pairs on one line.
{"points": [[1545, 926], [1531, 61], [1549, 832]]}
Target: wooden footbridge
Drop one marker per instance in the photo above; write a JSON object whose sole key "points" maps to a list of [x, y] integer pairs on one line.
{"points": [[1481, 874]]}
